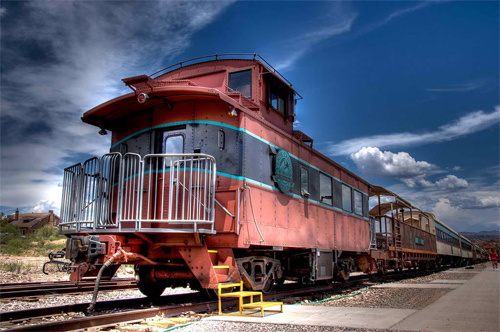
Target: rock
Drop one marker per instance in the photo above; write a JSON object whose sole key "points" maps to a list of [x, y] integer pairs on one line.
{"points": [[180, 320], [134, 328]]}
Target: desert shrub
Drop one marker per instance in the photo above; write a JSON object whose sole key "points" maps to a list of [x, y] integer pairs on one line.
{"points": [[36, 243], [8, 231], [46, 233], [16, 246], [17, 267]]}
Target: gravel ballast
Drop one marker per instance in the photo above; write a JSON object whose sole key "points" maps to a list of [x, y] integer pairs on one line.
{"points": [[398, 298], [211, 326], [50, 301]]}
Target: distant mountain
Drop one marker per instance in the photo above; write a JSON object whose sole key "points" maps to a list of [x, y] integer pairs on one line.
{"points": [[482, 235], [485, 239]]}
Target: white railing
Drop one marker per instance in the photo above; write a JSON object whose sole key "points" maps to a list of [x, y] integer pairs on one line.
{"points": [[157, 193]]}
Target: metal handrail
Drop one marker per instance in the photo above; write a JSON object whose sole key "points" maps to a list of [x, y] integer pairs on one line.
{"points": [[216, 56], [114, 190]]}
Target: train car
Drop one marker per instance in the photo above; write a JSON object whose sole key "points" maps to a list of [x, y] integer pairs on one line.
{"points": [[404, 235], [206, 181], [476, 254], [448, 245], [466, 250]]}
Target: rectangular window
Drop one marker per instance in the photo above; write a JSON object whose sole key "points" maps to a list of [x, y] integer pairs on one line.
{"points": [[278, 96], [346, 198], [358, 203], [274, 100], [325, 189], [281, 105], [241, 81], [304, 181]]}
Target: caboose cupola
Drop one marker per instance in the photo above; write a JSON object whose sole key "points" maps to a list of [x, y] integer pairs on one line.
{"points": [[251, 85]]}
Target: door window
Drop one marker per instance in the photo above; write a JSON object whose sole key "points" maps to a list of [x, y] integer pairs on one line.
{"points": [[174, 144]]}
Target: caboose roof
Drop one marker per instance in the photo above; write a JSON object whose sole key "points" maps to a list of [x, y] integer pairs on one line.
{"points": [[220, 58], [383, 208]]}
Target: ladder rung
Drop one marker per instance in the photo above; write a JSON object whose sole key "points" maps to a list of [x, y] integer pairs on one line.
{"points": [[221, 266]]}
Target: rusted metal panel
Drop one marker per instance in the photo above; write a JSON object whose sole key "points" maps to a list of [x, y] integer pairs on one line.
{"points": [[417, 239], [225, 222], [199, 262]]}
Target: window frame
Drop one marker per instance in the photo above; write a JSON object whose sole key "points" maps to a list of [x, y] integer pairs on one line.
{"points": [[304, 192], [281, 92], [324, 175], [354, 192], [240, 71], [345, 186]]}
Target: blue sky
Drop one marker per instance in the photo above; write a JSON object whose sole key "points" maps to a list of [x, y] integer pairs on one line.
{"points": [[404, 93]]}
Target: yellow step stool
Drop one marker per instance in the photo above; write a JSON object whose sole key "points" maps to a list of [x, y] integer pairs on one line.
{"points": [[241, 294]]}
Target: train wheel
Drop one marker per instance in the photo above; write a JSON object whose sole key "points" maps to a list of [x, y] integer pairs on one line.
{"points": [[268, 286], [343, 275], [152, 289]]}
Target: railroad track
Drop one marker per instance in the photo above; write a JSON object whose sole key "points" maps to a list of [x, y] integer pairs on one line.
{"points": [[35, 289], [135, 310]]}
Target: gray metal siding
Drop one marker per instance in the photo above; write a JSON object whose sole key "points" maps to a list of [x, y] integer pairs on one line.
{"points": [[243, 155]]}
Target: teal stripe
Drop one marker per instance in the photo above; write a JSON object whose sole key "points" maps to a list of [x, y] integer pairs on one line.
{"points": [[465, 241], [242, 178], [446, 230], [173, 124]]}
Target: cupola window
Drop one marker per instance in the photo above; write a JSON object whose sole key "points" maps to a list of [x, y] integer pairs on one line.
{"points": [[279, 97], [241, 81]]}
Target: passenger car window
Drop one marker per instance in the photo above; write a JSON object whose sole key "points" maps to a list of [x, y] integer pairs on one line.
{"points": [[346, 198], [325, 189], [241, 81], [358, 203], [304, 181]]}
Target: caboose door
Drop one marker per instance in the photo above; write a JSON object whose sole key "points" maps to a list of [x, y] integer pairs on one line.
{"points": [[173, 143]]}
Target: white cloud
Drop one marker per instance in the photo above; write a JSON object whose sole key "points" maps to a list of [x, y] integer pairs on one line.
{"points": [[478, 212], [296, 124], [417, 182], [45, 206], [457, 168], [394, 15], [80, 52], [3, 11], [452, 182], [473, 201], [373, 162], [340, 23], [467, 124]]}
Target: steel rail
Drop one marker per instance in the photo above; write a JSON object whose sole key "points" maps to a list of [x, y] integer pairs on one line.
{"points": [[164, 309], [169, 305], [38, 289], [60, 283]]}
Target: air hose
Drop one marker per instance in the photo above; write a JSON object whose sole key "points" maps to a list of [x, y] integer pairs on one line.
{"points": [[110, 261]]}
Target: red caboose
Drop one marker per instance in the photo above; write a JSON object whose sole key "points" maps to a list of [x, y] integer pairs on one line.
{"points": [[207, 181]]}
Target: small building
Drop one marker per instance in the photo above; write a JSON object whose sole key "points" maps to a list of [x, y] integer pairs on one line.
{"points": [[29, 222]]}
